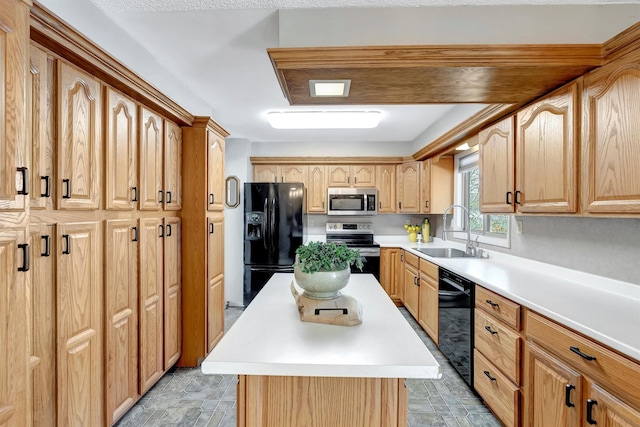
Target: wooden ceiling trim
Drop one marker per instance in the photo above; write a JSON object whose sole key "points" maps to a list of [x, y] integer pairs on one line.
{"points": [[208, 122], [622, 44], [55, 35]]}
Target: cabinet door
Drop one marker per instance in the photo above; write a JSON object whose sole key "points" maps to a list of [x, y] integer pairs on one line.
{"points": [[172, 166], [604, 409], [428, 306], [121, 315], [172, 292], [42, 116], [546, 154], [611, 138], [215, 279], [409, 175], [411, 290], [390, 272], [316, 189], [215, 172], [14, 48], [552, 390], [294, 173], [266, 173], [79, 138], [79, 323], [338, 176], [13, 328], [42, 327], [363, 176], [151, 300], [151, 159], [425, 187], [121, 125], [496, 167], [386, 185]]}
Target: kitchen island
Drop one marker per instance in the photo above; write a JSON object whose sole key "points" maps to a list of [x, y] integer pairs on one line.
{"points": [[294, 373]]}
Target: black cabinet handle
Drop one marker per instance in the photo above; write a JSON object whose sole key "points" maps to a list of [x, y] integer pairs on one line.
{"points": [[47, 246], [585, 356], [25, 181], [379, 205], [66, 188], [211, 198], [211, 228], [426, 204], [590, 404], [489, 376], [168, 196], [26, 262], [516, 200], [168, 230], [67, 244], [135, 234], [135, 194], [399, 205], [567, 395], [491, 303], [161, 198], [161, 227], [508, 197], [491, 331], [47, 186]]}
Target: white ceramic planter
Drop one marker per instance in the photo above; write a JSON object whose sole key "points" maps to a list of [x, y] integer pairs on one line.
{"points": [[322, 284]]}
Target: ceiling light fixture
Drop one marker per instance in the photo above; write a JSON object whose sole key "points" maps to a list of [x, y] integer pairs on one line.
{"points": [[324, 119], [329, 88]]}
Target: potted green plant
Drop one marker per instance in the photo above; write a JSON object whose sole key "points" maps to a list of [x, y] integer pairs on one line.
{"points": [[322, 269]]}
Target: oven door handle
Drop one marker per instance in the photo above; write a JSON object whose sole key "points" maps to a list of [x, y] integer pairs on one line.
{"points": [[368, 251], [455, 286]]}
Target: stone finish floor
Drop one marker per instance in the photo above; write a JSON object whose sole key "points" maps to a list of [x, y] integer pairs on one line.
{"points": [[186, 398]]}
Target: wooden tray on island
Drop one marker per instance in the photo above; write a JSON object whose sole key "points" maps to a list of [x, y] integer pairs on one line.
{"points": [[344, 310]]}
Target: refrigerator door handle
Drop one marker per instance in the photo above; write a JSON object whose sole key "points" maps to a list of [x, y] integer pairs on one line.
{"points": [[265, 222], [272, 225]]}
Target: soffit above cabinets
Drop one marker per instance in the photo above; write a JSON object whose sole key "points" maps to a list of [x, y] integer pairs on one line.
{"points": [[486, 74]]}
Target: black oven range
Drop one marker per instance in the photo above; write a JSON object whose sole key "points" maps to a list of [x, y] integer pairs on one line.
{"points": [[357, 235]]}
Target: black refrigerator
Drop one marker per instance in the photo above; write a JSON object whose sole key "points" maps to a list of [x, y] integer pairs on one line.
{"points": [[273, 230]]}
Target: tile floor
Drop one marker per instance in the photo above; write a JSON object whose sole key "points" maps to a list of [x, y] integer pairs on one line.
{"points": [[186, 398]]}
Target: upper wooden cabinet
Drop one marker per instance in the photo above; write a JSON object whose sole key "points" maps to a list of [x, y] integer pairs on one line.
{"points": [[547, 154], [316, 187], [611, 138], [215, 171], [172, 166], [151, 161], [436, 185], [121, 160], [386, 186], [351, 176], [280, 173], [80, 302], [14, 60], [496, 167], [13, 328], [266, 173], [41, 94], [408, 176], [293, 173], [79, 138]]}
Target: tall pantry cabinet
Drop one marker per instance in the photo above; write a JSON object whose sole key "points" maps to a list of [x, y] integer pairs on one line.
{"points": [[203, 233]]}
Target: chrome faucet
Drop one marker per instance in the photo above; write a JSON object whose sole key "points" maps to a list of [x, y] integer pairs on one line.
{"points": [[470, 249]]}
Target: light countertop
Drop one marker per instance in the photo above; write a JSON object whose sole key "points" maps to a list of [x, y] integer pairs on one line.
{"points": [[270, 339], [604, 309]]}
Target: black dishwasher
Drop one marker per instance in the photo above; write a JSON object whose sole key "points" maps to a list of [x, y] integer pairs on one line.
{"points": [[456, 299]]}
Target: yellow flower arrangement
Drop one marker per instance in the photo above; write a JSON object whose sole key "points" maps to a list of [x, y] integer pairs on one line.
{"points": [[413, 232]]}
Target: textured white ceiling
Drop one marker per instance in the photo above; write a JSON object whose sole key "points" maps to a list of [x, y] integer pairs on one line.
{"points": [[119, 6]]}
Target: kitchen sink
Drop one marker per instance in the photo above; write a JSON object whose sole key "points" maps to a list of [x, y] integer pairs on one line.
{"points": [[444, 252]]}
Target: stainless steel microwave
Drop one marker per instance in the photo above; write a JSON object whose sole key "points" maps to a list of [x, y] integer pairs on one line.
{"points": [[352, 201]]}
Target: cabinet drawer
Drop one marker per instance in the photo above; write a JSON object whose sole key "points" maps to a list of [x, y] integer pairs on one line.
{"points": [[429, 268], [500, 394], [611, 370], [412, 259], [499, 344], [499, 306]]}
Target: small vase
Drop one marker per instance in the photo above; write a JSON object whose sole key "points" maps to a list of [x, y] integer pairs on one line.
{"points": [[413, 237]]}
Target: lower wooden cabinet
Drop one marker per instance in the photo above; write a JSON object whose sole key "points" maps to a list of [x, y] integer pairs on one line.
{"points": [[411, 280], [79, 310], [391, 273], [428, 304], [502, 396], [42, 328], [121, 316], [172, 293], [215, 282], [604, 409]]}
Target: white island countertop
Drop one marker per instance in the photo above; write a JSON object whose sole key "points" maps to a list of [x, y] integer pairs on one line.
{"points": [[270, 339]]}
